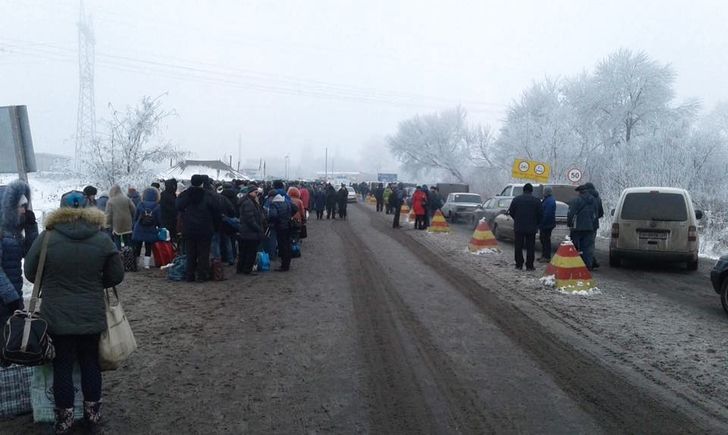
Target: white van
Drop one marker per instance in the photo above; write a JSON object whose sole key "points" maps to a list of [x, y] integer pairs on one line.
{"points": [[657, 223]]}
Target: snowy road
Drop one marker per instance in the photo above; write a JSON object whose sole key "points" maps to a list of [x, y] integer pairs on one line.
{"points": [[383, 331]]}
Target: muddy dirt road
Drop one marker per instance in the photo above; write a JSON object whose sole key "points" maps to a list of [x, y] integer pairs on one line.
{"points": [[370, 332]]}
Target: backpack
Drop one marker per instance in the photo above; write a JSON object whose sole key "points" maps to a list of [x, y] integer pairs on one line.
{"points": [[147, 218], [128, 258]]}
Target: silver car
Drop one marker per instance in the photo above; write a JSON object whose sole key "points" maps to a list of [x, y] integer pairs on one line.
{"points": [[461, 204], [503, 225]]}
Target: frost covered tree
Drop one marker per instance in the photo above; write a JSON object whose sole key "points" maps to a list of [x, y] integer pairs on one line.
{"points": [[132, 146], [436, 142]]}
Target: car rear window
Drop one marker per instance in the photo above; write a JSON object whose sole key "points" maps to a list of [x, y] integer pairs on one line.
{"points": [[654, 206], [467, 198], [562, 210]]}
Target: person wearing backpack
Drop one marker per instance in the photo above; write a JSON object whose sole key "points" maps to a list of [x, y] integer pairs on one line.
{"points": [[18, 231], [147, 221], [280, 213]]}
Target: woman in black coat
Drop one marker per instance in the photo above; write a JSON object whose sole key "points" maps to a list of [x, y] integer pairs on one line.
{"points": [[251, 230]]}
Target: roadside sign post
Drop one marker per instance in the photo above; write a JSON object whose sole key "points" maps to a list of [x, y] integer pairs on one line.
{"points": [[574, 175], [532, 170]]}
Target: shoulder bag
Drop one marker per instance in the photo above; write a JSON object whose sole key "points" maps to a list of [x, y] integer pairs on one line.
{"points": [[25, 338], [117, 342]]}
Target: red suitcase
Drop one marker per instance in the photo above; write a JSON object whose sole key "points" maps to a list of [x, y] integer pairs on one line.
{"points": [[163, 253]]}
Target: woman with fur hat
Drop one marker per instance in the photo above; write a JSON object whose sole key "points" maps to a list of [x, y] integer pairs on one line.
{"points": [[81, 261], [18, 230], [147, 220]]}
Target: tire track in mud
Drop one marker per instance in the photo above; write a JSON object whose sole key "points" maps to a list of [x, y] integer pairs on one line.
{"points": [[412, 385], [616, 404]]}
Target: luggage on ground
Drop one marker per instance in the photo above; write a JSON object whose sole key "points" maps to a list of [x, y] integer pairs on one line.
{"points": [[295, 250], [163, 253], [218, 271], [15, 391], [41, 394], [129, 259], [117, 342], [263, 261], [176, 271]]}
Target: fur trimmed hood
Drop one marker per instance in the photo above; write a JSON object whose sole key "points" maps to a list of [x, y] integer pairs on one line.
{"points": [[9, 200], [90, 216]]}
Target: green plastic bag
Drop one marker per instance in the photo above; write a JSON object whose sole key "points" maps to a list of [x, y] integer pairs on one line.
{"points": [[41, 394]]}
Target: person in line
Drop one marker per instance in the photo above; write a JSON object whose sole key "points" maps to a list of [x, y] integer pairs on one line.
{"points": [[396, 199], [120, 212], [435, 202], [300, 216], [305, 197], [342, 198], [89, 196], [251, 230], [133, 194], [419, 206], [386, 196], [581, 217], [526, 212], [167, 201], [547, 225], [319, 200], [199, 212], [330, 202], [18, 231], [279, 216], [81, 262], [599, 214], [379, 197], [147, 221], [101, 201]]}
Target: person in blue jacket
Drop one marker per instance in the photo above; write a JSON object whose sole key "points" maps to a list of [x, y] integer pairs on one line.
{"points": [[548, 223], [147, 221], [18, 230]]}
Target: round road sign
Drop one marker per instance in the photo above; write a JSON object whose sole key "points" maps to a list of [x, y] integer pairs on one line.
{"points": [[574, 175], [540, 169], [523, 166]]}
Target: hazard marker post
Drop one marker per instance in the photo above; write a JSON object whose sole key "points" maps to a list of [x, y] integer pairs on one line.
{"points": [[483, 239], [438, 224], [568, 270]]}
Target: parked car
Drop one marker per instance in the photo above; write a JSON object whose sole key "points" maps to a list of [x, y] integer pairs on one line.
{"points": [[655, 223], [351, 196], [561, 192], [489, 210], [719, 278], [461, 204], [503, 225]]}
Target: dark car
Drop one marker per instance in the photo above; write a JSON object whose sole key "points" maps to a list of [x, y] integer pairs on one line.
{"points": [[719, 278], [490, 209]]}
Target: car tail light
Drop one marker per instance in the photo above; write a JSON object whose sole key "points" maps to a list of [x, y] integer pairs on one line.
{"points": [[692, 234], [615, 231]]}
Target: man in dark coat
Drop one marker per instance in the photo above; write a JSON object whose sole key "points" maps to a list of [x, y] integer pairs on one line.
{"points": [[379, 196], [599, 214], [342, 197], [526, 212], [168, 208], [395, 201], [18, 230], [548, 223], [279, 216], [251, 229], [199, 213], [583, 211], [330, 202]]}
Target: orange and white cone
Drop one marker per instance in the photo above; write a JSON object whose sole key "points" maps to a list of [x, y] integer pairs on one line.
{"points": [[404, 209], [567, 271], [483, 240], [411, 217], [438, 224]]}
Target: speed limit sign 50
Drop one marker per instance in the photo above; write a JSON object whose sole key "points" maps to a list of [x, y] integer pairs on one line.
{"points": [[574, 175]]}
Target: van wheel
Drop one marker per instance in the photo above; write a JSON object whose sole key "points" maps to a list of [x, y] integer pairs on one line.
{"points": [[614, 261], [693, 265], [724, 294]]}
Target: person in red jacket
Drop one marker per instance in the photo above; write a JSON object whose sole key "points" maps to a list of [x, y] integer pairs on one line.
{"points": [[305, 198], [419, 206]]}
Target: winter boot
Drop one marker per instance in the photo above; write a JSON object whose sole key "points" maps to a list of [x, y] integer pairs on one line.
{"points": [[64, 420], [92, 415], [147, 262]]}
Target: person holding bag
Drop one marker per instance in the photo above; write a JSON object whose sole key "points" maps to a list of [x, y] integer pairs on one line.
{"points": [[81, 261], [251, 230]]}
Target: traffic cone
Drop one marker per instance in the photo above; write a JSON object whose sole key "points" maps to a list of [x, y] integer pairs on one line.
{"points": [[483, 239], [411, 217], [567, 270], [404, 209], [438, 224]]}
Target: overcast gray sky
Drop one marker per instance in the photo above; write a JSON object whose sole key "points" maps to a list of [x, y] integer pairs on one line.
{"points": [[294, 77]]}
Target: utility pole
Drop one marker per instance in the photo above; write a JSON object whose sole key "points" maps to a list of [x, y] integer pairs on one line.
{"points": [[86, 116], [326, 165], [240, 149]]}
